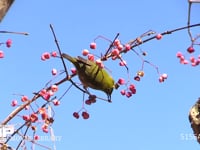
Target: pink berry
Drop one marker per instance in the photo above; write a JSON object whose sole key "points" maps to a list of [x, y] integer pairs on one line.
{"points": [[190, 49], [91, 57], [123, 92], [14, 103], [45, 130], [54, 54], [25, 117], [56, 102], [179, 54], [132, 88], [34, 117], [164, 75], [76, 115], [54, 72], [85, 115], [115, 52], [128, 94], [93, 45], [158, 36], [9, 43], [122, 63], [161, 79], [121, 81], [45, 56], [127, 47], [24, 98], [1, 54], [116, 42], [99, 63], [73, 70], [54, 88], [192, 59], [120, 47], [85, 52]]}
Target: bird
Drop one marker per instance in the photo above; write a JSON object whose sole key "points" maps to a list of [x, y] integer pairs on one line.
{"points": [[92, 75], [194, 118]]}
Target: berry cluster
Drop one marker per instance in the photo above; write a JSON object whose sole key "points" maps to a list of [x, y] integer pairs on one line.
{"points": [[192, 60], [8, 44]]}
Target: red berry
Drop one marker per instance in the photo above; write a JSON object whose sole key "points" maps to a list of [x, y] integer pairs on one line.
{"points": [[158, 36], [9, 43], [44, 116], [116, 42], [120, 47], [54, 54], [54, 88], [161, 79], [137, 78], [122, 63], [123, 92], [24, 98], [85, 115], [127, 47], [88, 102], [179, 54], [115, 52], [73, 70], [56, 102], [25, 117], [34, 117], [76, 115], [1, 54], [128, 94], [132, 88], [93, 45], [36, 137], [85, 52], [91, 57], [164, 75], [14, 103], [190, 49], [121, 81]]}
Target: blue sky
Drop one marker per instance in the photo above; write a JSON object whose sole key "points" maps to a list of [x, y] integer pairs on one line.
{"points": [[155, 118]]}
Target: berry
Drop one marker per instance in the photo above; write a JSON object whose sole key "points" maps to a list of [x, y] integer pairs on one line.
{"points": [[76, 115], [56, 102], [45, 56], [121, 81], [116, 42], [91, 57], [164, 75], [24, 98], [73, 70], [14, 103], [54, 88], [140, 73], [190, 49], [161, 79], [88, 102], [93, 45], [9, 43], [122, 63], [123, 92], [54, 54], [44, 116], [25, 117], [85, 52], [132, 88], [128, 94], [34, 117], [115, 52], [137, 78], [127, 47], [99, 63], [120, 47], [36, 137], [158, 36], [179, 54], [1, 54], [85, 115], [54, 72]]}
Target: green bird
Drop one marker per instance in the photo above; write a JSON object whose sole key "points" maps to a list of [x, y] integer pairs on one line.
{"points": [[91, 75]]}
